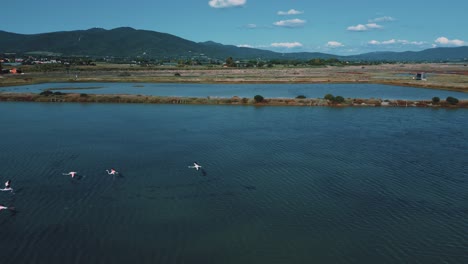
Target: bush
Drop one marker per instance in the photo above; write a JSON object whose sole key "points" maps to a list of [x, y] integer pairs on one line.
{"points": [[435, 100], [339, 99], [83, 95], [300, 97], [46, 93], [329, 97], [452, 100], [258, 98], [177, 74]]}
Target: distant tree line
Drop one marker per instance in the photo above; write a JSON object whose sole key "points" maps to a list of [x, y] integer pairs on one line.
{"points": [[183, 61]]}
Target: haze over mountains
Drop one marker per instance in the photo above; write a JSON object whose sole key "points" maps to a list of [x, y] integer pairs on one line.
{"points": [[129, 42]]}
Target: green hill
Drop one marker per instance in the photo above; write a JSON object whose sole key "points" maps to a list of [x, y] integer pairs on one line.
{"points": [[432, 55], [129, 42]]}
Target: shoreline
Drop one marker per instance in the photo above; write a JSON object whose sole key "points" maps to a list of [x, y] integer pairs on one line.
{"points": [[140, 99]]}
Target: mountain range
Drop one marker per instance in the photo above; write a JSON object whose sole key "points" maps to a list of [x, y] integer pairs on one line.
{"points": [[129, 42]]}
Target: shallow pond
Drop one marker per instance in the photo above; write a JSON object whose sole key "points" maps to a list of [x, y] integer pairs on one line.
{"points": [[244, 90]]}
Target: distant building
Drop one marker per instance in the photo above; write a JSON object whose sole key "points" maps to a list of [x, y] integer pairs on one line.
{"points": [[420, 76]]}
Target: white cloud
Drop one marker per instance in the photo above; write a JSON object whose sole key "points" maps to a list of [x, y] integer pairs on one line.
{"points": [[385, 42], [226, 3], [382, 19], [290, 12], [359, 27], [388, 42], [417, 43], [334, 44], [290, 23], [245, 46], [288, 45], [366, 27], [449, 42], [251, 26], [396, 41], [373, 26]]}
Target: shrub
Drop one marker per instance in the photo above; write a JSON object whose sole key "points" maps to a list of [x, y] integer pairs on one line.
{"points": [[435, 100], [258, 98], [339, 99], [300, 97], [177, 74], [83, 95], [329, 97], [46, 93], [452, 100]]}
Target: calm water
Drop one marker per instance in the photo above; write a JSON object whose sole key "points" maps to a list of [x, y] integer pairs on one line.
{"points": [[247, 90], [280, 185]]}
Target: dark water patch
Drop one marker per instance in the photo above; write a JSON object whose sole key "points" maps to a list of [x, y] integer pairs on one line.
{"points": [[250, 187]]}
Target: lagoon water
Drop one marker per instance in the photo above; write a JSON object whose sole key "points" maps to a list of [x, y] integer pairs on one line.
{"points": [[279, 185], [244, 90]]}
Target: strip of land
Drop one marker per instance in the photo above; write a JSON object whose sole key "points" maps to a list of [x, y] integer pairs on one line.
{"points": [[441, 76], [123, 98], [452, 77]]}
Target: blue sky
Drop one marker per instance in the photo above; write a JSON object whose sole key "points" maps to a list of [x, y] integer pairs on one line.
{"points": [[336, 27]]}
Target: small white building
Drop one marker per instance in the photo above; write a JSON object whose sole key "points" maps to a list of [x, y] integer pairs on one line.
{"points": [[420, 76]]}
